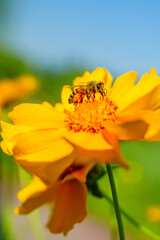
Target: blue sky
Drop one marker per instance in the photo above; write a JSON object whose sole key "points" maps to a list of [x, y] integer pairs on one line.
{"points": [[118, 35]]}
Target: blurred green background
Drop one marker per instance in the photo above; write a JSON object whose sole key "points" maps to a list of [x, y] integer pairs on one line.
{"points": [[138, 188]]}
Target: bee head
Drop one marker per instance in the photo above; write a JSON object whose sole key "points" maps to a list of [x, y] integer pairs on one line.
{"points": [[100, 85]]}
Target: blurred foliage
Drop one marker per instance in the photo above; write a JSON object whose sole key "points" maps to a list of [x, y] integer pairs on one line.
{"points": [[138, 187], [11, 66]]}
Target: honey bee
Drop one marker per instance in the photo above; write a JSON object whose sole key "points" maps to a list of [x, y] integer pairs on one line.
{"points": [[88, 90]]}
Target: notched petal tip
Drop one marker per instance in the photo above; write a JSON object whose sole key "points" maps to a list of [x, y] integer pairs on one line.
{"points": [[153, 71]]}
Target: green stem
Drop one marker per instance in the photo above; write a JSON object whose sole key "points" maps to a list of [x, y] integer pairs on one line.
{"points": [[116, 204]]}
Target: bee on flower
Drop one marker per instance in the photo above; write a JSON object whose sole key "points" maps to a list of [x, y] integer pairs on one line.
{"points": [[87, 91]]}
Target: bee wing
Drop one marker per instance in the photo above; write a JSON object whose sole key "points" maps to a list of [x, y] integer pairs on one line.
{"points": [[76, 86]]}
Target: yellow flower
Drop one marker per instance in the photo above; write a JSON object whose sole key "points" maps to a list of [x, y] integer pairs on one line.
{"points": [[130, 111], [11, 90], [45, 140], [68, 196], [42, 144]]}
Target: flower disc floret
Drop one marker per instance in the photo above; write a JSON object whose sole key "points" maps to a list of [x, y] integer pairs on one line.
{"points": [[90, 116]]}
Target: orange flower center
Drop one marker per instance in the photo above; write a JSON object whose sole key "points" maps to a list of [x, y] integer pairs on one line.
{"points": [[91, 115]]}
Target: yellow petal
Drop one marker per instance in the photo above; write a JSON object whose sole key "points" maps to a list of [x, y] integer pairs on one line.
{"points": [[128, 131], [10, 130], [47, 171], [43, 153], [148, 117], [7, 147], [59, 149], [111, 139], [153, 133], [59, 107], [8, 133], [153, 119], [100, 157], [149, 101], [88, 141], [145, 95], [37, 115], [93, 148], [47, 104], [37, 140], [33, 196], [70, 206], [121, 86]]}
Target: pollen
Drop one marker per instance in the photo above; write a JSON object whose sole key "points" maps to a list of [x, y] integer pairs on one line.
{"points": [[91, 116]]}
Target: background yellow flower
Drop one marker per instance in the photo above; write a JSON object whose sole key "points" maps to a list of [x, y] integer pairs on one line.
{"points": [[14, 89]]}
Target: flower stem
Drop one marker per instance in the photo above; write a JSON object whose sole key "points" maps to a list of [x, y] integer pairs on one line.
{"points": [[115, 201]]}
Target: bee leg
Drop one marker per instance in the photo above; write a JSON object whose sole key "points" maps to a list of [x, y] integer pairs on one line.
{"points": [[88, 97], [94, 95], [82, 95], [103, 94], [86, 94]]}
